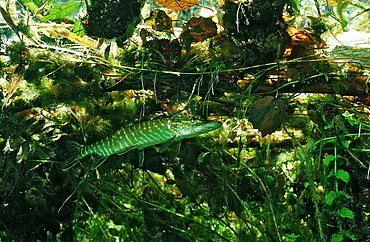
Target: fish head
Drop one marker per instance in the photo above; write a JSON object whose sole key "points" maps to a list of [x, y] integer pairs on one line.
{"points": [[188, 127]]}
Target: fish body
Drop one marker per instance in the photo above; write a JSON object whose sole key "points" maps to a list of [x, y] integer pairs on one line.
{"points": [[142, 135]]}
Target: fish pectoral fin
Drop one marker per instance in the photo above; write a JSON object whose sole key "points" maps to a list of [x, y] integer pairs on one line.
{"points": [[165, 145], [178, 147], [70, 163], [99, 160], [141, 157], [173, 151]]}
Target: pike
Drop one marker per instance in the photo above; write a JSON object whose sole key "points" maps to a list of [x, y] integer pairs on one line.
{"points": [[140, 136]]}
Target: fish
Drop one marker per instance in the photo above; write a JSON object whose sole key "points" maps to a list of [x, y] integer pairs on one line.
{"points": [[140, 136]]}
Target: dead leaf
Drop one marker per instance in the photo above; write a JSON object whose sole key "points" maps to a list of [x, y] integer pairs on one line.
{"points": [[14, 82], [178, 5], [267, 113], [200, 29], [81, 40], [166, 50], [300, 36]]}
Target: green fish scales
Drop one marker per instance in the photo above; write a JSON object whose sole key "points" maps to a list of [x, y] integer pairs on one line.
{"points": [[140, 136]]}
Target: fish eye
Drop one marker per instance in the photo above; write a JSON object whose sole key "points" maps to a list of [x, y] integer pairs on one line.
{"points": [[193, 119]]}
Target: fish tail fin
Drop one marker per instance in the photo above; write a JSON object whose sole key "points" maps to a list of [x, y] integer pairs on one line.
{"points": [[74, 150]]}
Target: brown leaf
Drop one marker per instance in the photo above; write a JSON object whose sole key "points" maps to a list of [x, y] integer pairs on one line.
{"points": [[81, 40], [177, 5], [200, 29], [267, 113], [168, 50], [14, 81]]}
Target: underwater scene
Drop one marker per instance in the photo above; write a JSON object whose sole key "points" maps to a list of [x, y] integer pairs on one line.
{"points": [[185, 120]]}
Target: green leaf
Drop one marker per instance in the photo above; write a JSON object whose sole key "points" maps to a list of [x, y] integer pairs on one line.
{"points": [[345, 212], [349, 235], [328, 126], [337, 82], [345, 143], [328, 159], [329, 198], [346, 195], [201, 157], [337, 237], [32, 6], [341, 174], [349, 117], [61, 10], [292, 237], [78, 28], [330, 174]]}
